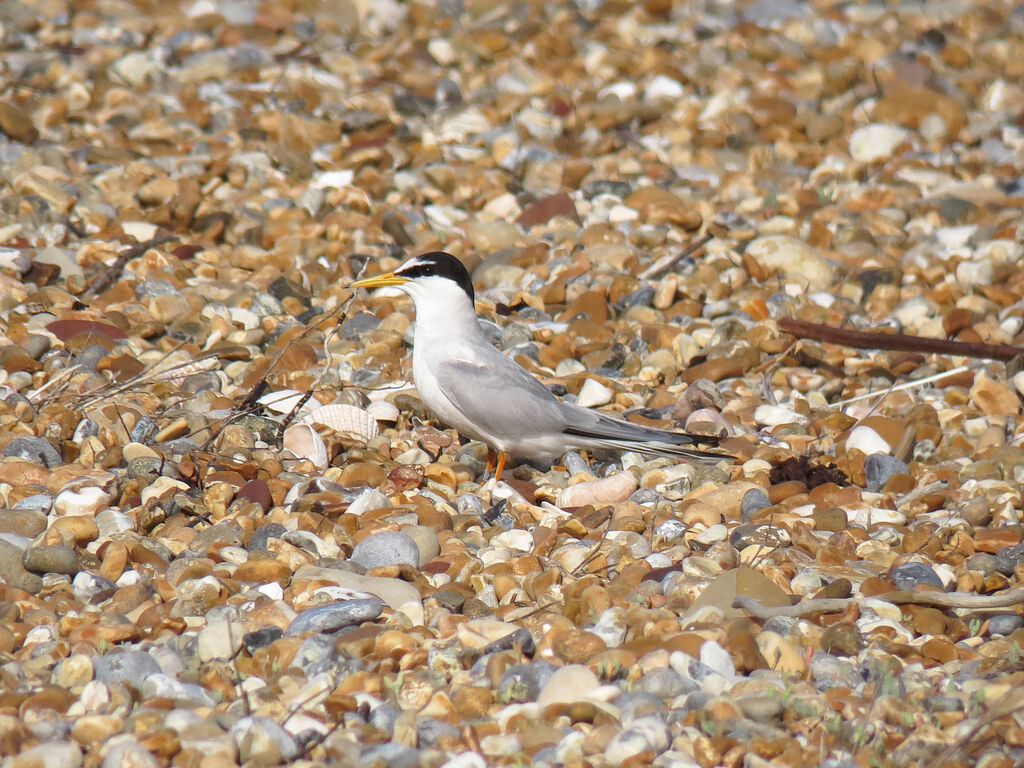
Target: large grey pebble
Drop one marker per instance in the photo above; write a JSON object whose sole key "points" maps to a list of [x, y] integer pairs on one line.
{"points": [[828, 671], [664, 683], [1004, 623], [523, 682], [1009, 558], [40, 502], [753, 500], [13, 573], [161, 686], [34, 449], [51, 558], [909, 575], [634, 704], [386, 548], [334, 616], [125, 667], [391, 754]]}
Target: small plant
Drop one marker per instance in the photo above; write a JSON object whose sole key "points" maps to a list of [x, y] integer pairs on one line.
{"points": [[974, 627], [976, 704]]}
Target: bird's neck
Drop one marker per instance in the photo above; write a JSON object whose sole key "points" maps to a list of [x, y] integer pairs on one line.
{"points": [[447, 320]]}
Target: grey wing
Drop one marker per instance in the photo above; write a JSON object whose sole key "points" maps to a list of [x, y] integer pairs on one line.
{"points": [[596, 429], [500, 399]]}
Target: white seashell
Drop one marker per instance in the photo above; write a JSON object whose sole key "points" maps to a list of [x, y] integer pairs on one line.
{"points": [[346, 420], [303, 442], [283, 400], [382, 410]]}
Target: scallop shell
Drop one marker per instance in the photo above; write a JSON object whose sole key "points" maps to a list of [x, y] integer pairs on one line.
{"points": [[346, 420], [283, 400], [382, 410], [303, 442]]}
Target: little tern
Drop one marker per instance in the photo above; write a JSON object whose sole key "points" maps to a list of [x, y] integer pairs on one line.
{"points": [[470, 385]]}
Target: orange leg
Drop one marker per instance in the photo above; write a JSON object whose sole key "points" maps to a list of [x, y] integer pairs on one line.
{"points": [[501, 465], [491, 456]]}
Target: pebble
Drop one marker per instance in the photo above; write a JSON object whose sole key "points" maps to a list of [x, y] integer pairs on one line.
{"points": [[34, 449], [386, 548], [593, 394], [879, 467], [867, 441], [129, 666], [576, 613], [55, 558], [335, 616], [566, 685]]}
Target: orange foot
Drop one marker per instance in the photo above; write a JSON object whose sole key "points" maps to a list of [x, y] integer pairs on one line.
{"points": [[501, 458]]}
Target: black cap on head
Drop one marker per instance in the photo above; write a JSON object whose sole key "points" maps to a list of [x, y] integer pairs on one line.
{"points": [[438, 264]]}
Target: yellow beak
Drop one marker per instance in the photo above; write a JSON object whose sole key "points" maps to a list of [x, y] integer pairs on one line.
{"points": [[379, 281]]}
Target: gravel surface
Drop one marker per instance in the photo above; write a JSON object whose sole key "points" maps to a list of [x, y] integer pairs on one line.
{"points": [[231, 534]]}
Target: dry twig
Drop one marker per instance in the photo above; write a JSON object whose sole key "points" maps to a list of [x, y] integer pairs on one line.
{"points": [[900, 597], [896, 341]]}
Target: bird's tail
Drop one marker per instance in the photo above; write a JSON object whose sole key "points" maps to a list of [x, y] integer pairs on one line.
{"points": [[606, 432]]}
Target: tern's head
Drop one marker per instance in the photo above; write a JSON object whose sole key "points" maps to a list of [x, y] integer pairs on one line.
{"points": [[438, 275]]}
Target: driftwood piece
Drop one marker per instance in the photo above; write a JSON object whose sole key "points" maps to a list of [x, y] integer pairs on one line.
{"points": [[896, 341]]}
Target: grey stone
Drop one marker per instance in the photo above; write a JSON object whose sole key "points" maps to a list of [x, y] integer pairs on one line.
{"points": [[129, 666], [260, 638], [829, 671], [391, 754], [34, 449], [1008, 558], [523, 682], [265, 533], [634, 704], [665, 683], [386, 548], [1004, 623], [334, 616], [161, 686], [91, 588], [879, 467], [384, 717], [909, 575], [753, 500], [40, 502], [51, 558]]}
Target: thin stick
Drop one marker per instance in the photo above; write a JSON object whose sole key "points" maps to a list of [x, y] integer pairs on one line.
{"points": [[905, 385], [105, 280], [896, 341], [667, 262], [901, 597]]}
